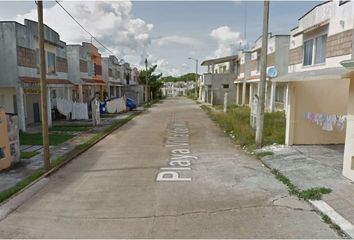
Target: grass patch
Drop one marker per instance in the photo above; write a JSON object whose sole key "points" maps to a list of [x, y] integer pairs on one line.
{"points": [[20, 185], [237, 122], [263, 154], [27, 155], [36, 138], [332, 225], [71, 128], [309, 194], [314, 193]]}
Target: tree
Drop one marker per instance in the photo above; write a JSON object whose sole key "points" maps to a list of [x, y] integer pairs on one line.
{"points": [[153, 80], [184, 78]]}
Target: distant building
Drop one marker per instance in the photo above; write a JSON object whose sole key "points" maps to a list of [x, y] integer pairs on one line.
{"points": [[219, 79]]}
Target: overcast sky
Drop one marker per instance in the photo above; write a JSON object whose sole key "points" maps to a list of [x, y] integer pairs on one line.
{"points": [[166, 33]]}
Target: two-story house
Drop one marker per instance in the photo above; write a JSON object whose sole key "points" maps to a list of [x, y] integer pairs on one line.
{"points": [[131, 86], [85, 71], [112, 73], [249, 75], [218, 79], [19, 67], [316, 87]]}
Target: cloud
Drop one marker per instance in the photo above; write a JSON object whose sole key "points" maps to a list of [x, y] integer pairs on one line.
{"points": [[228, 41], [111, 22], [164, 66], [180, 40]]}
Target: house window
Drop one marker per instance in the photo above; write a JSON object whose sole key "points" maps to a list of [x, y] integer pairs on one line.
{"points": [[223, 69], [2, 153], [279, 94], [50, 63], [97, 69], [258, 62], [315, 50], [225, 86]]}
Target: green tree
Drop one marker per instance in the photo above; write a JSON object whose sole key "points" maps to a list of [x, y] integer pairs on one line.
{"points": [[152, 80]]}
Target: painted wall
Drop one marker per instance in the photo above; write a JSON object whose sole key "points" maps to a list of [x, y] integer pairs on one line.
{"points": [[6, 99], [348, 163], [8, 76], [5, 160], [323, 96], [217, 88]]}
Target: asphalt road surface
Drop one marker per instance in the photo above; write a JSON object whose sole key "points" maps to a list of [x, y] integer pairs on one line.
{"points": [[169, 173]]}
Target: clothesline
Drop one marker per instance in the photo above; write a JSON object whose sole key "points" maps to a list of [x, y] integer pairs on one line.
{"points": [[327, 122]]}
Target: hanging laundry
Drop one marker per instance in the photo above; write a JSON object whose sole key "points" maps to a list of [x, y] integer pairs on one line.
{"points": [[327, 122]]}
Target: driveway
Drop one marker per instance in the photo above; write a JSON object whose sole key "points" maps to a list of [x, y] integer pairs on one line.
{"points": [[213, 189]]}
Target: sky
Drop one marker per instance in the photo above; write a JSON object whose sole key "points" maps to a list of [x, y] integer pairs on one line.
{"points": [[167, 33]]}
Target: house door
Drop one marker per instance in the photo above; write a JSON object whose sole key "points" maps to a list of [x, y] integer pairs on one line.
{"points": [[36, 114]]}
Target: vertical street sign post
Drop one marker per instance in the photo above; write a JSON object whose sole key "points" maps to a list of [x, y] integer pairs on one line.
{"points": [[43, 86]]}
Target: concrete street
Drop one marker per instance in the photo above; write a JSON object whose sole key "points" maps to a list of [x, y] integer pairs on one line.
{"points": [[111, 191]]}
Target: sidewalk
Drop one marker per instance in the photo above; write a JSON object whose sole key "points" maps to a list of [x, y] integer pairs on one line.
{"points": [[27, 167], [316, 166]]}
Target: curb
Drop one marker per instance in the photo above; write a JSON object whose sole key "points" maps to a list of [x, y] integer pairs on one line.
{"points": [[321, 206], [16, 200], [335, 217]]}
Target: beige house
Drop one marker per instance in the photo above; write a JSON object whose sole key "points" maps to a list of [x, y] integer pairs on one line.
{"points": [[248, 77], [317, 85]]}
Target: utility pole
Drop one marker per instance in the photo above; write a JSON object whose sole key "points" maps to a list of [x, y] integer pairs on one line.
{"points": [[196, 76], [146, 80], [262, 82], [43, 86]]}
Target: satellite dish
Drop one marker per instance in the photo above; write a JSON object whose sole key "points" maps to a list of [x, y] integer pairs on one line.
{"points": [[272, 72]]}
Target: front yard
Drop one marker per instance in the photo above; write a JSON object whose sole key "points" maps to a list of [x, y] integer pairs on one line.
{"points": [[36, 138], [236, 122]]}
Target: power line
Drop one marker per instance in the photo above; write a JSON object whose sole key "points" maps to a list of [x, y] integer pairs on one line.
{"points": [[84, 28]]}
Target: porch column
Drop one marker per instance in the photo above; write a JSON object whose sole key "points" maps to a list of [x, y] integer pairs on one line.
{"points": [[286, 97], [290, 116], [251, 94], [81, 98], [272, 96], [348, 161], [68, 92], [212, 97], [244, 93], [21, 108], [237, 93]]}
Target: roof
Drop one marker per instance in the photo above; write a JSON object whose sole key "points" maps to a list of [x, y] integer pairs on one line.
{"points": [[334, 73], [93, 81], [49, 80], [219, 60], [313, 9]]}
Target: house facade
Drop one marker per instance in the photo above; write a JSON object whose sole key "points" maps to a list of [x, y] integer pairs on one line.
{"points": [[112, 73], [19, 81], [218, 80], [85, 72], [316, 84], [248, 77]]}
